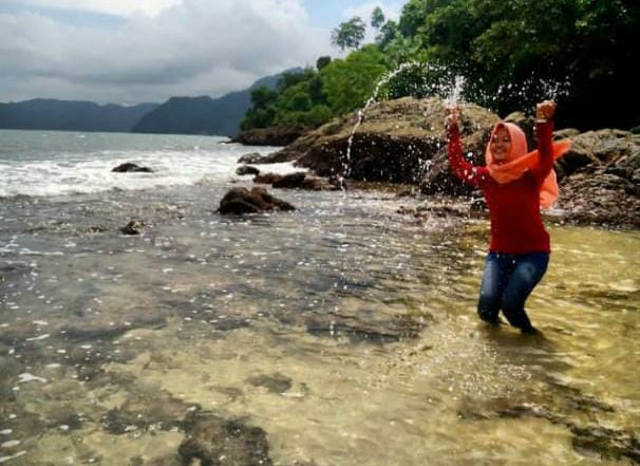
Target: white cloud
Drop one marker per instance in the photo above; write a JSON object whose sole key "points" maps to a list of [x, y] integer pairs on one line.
{"points": [[193, 48], [112, 7], [391, 10]]}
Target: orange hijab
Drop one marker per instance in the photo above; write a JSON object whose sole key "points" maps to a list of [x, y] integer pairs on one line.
{"points": [[519, 161]]}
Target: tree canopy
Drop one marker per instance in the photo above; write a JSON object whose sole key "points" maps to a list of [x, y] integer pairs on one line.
{"points": [[584, 53], [350, 34]]}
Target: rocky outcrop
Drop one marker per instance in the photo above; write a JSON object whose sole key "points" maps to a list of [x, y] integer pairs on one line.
{"points": [[600, 178], [397, 142], [131, 168], [275, 136], [243, 201], [404, 141]]}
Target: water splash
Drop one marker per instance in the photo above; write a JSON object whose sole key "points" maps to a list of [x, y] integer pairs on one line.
{"points": [[435, 79], [455, 95], [386, 78], [445, 84]]}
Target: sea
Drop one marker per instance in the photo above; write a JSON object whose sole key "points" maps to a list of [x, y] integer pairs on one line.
{"points": [[343, 333]]}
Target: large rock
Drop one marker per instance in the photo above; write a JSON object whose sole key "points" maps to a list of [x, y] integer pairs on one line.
{"points": [[275, 136], [600, 198], [243, 201], [400, 141], [598, 150]]}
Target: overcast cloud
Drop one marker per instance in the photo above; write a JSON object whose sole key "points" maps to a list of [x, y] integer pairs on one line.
{"points": [[155, 48]]}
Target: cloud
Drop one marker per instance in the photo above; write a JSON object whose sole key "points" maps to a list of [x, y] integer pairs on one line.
{"points": [[194, 47], [111, 7]]}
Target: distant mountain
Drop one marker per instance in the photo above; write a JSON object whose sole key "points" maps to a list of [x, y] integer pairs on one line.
{"points": [[203, 115], [65, 115]]}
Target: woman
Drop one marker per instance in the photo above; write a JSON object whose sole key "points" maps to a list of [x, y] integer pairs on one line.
{"points": [[515, 185]]}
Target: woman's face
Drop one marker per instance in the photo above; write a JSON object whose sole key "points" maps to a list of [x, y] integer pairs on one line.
{"points": [[500, 144]]}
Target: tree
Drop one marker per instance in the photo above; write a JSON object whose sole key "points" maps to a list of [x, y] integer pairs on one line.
{"points": [[322, 62], [350, 34], [377, 18], [388, 32], [262, 97], [350, 82]]}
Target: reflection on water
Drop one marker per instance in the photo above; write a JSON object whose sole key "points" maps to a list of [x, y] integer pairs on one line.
{"points": [[338, 334]]}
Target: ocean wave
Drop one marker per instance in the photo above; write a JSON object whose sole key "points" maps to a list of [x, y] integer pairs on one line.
{"points": [[69, 175]]}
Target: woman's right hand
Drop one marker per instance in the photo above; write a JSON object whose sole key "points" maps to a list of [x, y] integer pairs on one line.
{"points": [[452, 116]]}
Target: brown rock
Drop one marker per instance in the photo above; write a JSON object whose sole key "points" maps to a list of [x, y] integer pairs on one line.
{"points": [[134, 227], [267, 178], [401, 141], [247, 170], [243, 201]]}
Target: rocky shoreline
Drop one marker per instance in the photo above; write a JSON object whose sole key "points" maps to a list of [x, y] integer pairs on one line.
{"points": [[403, 142]]}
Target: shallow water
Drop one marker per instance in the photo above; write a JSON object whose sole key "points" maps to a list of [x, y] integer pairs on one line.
{"points": [[344, 331]]}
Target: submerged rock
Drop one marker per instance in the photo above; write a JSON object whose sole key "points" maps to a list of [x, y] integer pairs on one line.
{"points": [[276, 383], [560, 409], [131, 168], [380, 332], [608, 443], [215, 441], [243, 201]]}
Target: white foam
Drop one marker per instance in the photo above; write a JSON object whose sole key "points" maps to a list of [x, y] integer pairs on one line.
{"points": [[4, 459], [26, 377], [10, 444], [41, 337], [76, 173]]}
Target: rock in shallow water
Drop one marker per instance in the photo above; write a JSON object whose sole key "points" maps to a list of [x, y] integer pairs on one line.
{"points": [[214, 441], [134, 227], [243, 201], [247, 170], [275, 383], [131, 168]]}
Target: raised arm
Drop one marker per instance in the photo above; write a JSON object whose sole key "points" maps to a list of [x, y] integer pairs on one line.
{"points": [[473, 176], [544, 131]]}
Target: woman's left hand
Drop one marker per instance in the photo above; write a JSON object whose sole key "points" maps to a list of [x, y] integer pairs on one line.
{"points": [[545, 110]]}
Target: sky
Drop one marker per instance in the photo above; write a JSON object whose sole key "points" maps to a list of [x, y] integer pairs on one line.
{"points": [[133, 51]]}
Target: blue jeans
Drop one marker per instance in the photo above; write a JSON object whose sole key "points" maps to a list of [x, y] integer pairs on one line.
{"points": [[507, 282]]}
